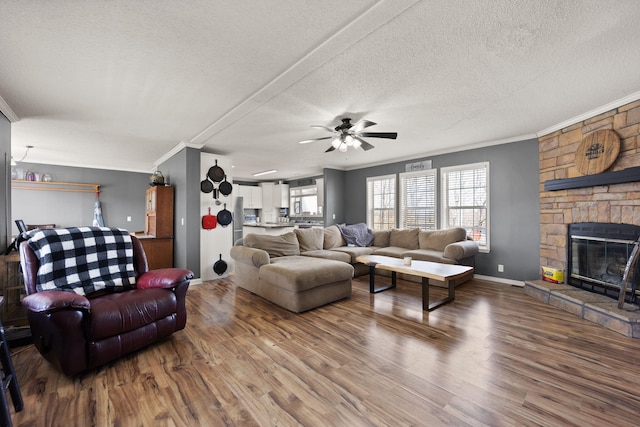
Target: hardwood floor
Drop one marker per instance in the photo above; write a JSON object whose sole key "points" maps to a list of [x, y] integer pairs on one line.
{"points": [[493, 357]]}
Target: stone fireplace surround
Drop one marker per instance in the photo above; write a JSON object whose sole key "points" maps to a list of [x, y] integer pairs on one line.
{"points": [[614, 203]]}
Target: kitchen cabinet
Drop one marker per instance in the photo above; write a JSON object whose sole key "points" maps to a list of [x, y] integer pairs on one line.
{"points": [[159, 211], [280, 195], [251, 195], [157, 240]]}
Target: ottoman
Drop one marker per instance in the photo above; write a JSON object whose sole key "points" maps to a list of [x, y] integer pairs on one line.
{"points": [[300, 283]]}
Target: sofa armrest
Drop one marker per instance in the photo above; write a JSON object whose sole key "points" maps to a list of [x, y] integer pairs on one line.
{"points": [[461, 250], [250, 256], [55, 300], [163, 278]]}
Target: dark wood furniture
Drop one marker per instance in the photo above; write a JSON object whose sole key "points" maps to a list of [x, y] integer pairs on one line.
{"points": [[9, 379], [158, 232]]}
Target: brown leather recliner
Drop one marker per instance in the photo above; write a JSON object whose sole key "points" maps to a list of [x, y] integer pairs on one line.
{"points": [[76, 333]]}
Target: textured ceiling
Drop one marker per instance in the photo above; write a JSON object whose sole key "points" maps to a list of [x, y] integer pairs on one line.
{"points": [[119, 84]]}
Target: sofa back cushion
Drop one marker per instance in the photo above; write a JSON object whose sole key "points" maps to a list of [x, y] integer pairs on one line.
{"points": [[381, 238], [283, 245], [439, 239], [83, 260], [333, 238], [310, 239], [404, 238]]}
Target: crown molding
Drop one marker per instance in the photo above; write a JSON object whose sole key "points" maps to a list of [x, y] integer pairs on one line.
{"points": [[589, 114], [175, 150], [7, 111]]}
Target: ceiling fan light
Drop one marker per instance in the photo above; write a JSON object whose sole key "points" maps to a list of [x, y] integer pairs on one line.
{"points": [[356, 143], [343, 147], [336, 143], [349, 140]]}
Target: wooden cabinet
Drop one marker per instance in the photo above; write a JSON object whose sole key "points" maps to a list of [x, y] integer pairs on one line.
{"points": [[158, 239], [159, 212], [159, 251], [12, 282]]}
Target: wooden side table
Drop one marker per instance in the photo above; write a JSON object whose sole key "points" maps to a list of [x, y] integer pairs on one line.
{"points": [[12, 288], [9, 380]]}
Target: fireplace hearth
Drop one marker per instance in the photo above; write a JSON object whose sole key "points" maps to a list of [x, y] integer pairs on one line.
{"points": [[597, 254]]}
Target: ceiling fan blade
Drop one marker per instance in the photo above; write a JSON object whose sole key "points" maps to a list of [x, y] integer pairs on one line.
{"points": [[364, 144], [362, 124], [323, 127], [388, 135], [330, 149], [306, 141]]}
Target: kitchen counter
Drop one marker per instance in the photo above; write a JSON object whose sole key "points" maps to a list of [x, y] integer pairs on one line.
{"points": [[268, 228], [271, 224]]}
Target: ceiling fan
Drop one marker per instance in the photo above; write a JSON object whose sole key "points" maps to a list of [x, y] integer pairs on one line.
{"points": [[350, 135]]}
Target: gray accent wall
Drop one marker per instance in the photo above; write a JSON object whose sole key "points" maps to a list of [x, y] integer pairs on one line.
{"points": [[182, 171], [514, 203], [334, 184], [122, 194], [5, 184]]}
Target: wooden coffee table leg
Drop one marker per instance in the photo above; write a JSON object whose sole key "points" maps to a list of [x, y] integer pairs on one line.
{"points": [[425, 295]]}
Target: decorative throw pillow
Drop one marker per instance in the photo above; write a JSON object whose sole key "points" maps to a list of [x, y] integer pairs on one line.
{"points": [[83, 260], [283, 245], [439, 239], [310, 239], [404, 238], [333, 238]]}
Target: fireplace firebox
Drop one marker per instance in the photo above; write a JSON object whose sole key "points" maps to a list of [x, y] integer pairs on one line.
{"points": [[597, 254]]}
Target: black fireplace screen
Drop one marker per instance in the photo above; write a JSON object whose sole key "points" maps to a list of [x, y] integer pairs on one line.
{"points": [[598, 254]]}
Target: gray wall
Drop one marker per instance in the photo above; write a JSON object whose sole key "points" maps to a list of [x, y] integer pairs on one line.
{"points": [[122, 194], [334, 185], [183, 172], [5, 178], [514, 204]]}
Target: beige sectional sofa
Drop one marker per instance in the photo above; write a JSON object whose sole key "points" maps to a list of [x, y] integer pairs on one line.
{"points": [[308, 268]]}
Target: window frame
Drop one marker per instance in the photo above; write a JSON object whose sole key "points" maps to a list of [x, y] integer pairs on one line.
{"points": [[370, 208], [403, 197], [444, 209]]}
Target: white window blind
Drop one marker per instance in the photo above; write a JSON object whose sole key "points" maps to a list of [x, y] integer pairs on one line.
{"points": [[418, 200], [381, 202], [465, 200]]}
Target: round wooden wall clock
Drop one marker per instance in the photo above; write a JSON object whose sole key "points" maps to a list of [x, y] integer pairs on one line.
{"points": [[597, 152]]}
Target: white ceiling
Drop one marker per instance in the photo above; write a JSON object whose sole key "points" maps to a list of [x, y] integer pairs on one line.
{"points": [[119, 84]]}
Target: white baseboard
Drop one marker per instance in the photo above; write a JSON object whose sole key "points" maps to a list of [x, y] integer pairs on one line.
{"points": [[509, 282]]}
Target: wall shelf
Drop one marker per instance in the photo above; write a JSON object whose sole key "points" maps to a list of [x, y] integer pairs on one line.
{"points": [[18, 184], [606, 178]]}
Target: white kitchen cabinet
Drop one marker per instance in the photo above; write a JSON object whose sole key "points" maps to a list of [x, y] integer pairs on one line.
{"points": [[281, 195], [251, 196]]}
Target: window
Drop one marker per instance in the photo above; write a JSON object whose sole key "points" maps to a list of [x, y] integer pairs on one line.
{"points": [[381, 202], [418, 200], [304, 201], [465, 200]]}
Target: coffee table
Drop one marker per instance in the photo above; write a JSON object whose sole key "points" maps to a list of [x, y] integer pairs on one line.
{"points": [[447, 273]]}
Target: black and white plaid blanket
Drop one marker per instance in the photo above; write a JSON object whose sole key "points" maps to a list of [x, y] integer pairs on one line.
{"points": [[83, 259]]}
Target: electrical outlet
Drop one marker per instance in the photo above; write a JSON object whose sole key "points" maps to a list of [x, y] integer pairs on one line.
{"points": [[181, 221], [128, 219], [500, 268], [334, 216]]}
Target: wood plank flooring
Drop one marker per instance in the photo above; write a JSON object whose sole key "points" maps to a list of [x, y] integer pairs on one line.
{"points": [[493, 357]]}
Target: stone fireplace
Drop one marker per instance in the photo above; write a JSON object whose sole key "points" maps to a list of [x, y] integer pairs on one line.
{"points": [[614, 202]]}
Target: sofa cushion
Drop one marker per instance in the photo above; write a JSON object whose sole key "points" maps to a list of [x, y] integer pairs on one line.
{"points": [[428, 255], [393, 251], [355, 251], [276, 246], [381, 238], [333, 238], [439, 239], [328, 254], [298, 274], [310, 239], [404, 238]]}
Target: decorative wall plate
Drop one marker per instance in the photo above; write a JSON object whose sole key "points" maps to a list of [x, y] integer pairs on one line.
{"points": [[597, 152]]}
